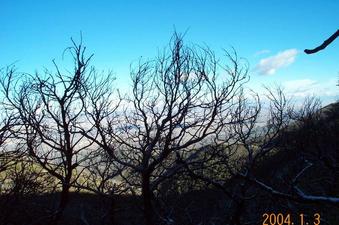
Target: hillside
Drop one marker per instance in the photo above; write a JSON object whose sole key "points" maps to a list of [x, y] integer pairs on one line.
{"points": [[315, 142]]}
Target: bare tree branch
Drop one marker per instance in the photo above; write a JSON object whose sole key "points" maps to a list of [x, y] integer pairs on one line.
{"points": [[324, 44]]}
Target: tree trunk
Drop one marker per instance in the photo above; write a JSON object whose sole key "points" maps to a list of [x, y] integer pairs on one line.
{"points": [[236, 215], [112, 210], [147, 199], [62, 204]]}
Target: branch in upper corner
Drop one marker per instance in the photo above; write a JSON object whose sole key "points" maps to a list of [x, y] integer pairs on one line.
{"points": [[324, 44]]}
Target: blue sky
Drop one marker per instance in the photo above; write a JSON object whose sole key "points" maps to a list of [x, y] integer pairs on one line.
{"points": [[271, 35]]}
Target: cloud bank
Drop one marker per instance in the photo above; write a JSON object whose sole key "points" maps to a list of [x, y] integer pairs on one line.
{"points": [[308, 87]]}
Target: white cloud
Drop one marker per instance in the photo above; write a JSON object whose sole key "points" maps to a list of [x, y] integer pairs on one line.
{"points": [[268, 66], [308, 87], [300, 88], [262, 52]]}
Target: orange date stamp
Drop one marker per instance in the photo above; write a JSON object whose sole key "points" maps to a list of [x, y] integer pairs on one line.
{"points": [[288, 219]]}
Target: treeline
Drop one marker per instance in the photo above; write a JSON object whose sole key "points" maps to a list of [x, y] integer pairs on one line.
{"points": [[189, 123]]}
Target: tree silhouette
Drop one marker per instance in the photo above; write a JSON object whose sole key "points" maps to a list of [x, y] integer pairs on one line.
{"points": [[51, 108], [178, 102], [189, 123]]}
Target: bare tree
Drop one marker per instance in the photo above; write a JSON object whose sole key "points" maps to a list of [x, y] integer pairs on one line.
{"points": [[11, 178], [303, 146], [245, 166], [8, 120], [51, 108], [303, 128], [188, 116], [178, 102]]}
